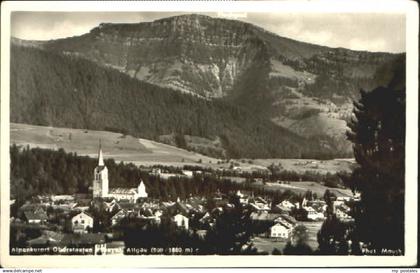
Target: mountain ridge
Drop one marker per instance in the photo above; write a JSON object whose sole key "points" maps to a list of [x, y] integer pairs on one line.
{"points": [[65, 91], [296, 85]]}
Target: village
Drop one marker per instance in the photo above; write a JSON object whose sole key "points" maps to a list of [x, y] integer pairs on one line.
{"points": [[90, 224]]}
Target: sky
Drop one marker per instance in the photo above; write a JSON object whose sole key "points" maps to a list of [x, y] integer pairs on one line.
{"points": [[383, 32]]}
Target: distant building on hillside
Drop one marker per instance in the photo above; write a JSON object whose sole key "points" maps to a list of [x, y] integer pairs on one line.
{"points": [[101, 185]]}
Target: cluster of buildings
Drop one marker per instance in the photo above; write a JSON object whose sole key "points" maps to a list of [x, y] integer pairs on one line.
{"points": [[281, 219], [69, 220]]}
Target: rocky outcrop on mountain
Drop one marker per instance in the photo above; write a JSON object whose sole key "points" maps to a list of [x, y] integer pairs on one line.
{"points": [[205, 56]]}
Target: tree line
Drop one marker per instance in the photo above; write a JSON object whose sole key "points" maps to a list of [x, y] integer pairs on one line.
{"points": [[37, 171]]}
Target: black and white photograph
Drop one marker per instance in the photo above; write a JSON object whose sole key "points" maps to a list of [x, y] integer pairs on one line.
{"points": [[253, 133]]}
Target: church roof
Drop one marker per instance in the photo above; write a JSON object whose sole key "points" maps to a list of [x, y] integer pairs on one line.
{"points": [[100, 156], [123, 191]]}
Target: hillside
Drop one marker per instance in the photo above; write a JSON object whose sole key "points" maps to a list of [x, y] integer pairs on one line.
{"points": [[307, 89], [115, 145], [75, 93], [146, 152]]}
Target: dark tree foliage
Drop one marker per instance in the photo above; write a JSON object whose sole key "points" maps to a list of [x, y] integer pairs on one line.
{"points": [[139, 233], [231, 233], [42, 171], [378, 135], [333, 237], [298, 245]]}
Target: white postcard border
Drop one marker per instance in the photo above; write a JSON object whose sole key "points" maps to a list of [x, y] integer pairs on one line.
{"points": [[410, 258]]}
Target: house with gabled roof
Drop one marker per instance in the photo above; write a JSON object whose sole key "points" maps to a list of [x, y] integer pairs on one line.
{"points": [[264, 216], [181, 221], [37, 216], [312, 214], [280, 230], [112, 206], [286, 220], [81, 222], [117, 217]]}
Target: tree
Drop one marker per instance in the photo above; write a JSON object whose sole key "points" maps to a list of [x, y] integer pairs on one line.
{"points": [[333, 237], [231, 233], [378, 134], [298, 244]]}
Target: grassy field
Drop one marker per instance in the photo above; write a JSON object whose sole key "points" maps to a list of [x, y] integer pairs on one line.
{"points": [[299, 187], [303, 186], [146, 152], [114, 145], [312, 165]]}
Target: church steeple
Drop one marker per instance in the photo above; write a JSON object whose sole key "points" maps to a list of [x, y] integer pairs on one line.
{"points": [[100, 156], [100, 181]]}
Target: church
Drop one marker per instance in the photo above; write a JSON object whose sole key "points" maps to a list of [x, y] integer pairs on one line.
{"points": [[101, 185]]}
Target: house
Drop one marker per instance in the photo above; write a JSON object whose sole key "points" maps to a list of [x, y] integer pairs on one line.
{"points": [[342, 215], [260, 200], [279, 230], [264, 216], [287, 204], [343, 198], [112, 206], [80, 207], [286, 220], [279, 208], [196, 205], [37, 216], [158, 214], [128, 206], [206, 217], [207, 220], [313, 214], [150, 215], [259, 207], [163, 175], [181, 221], [81, 222], [187, 173], [117, 217], [182, 208], [62, 198], [318, 205]]}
